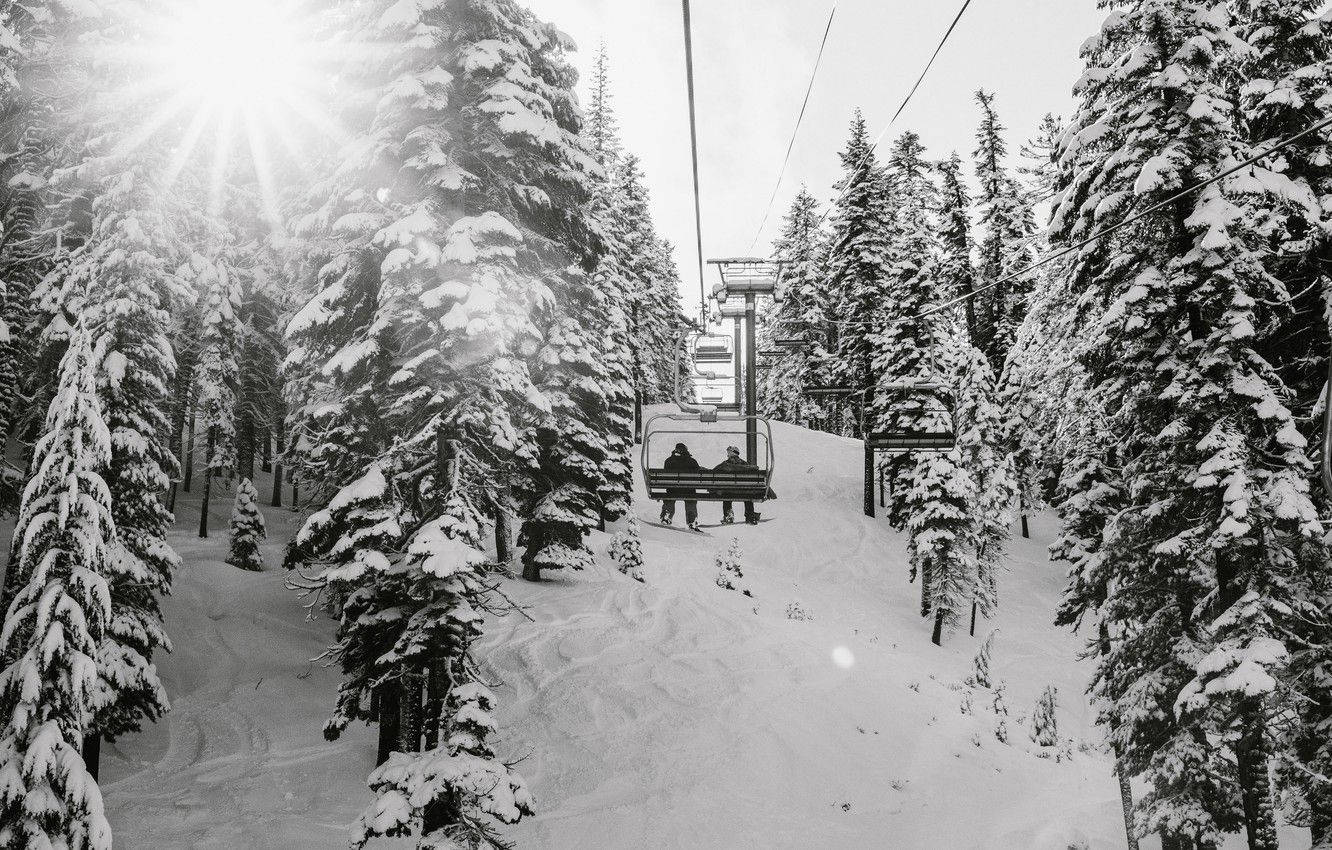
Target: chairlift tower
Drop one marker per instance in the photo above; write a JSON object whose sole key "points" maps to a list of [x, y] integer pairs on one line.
{"points": [[743, 280]]}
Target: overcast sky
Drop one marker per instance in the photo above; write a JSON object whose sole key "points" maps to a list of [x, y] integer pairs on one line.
{"points": [[752, 64]]}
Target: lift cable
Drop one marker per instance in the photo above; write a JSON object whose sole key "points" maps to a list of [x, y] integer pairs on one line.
{"points": [[796, 131], [900, 108], [1131, 219], [693, 144]]}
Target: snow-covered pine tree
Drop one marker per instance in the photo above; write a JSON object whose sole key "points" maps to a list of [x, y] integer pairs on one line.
{"points": [[1285, 86], [940, 548], [445, 780], [957, 273], [627, 550], [602, 129], [1040, 160], [655, 320], [55, 622], [1218, 520], [219, 293], [1005, 244], [1044, 724], [801, 315], [247, 529], [127, 258], [980, 665], [620, 294], [1000, 707], [860, 260], [909, 347], [980, 438]]}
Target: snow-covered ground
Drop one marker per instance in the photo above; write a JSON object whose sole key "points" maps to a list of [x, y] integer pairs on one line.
{"points": [[670, 714]]}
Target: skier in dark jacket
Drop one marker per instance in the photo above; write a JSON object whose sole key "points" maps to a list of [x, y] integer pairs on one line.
{"points": [[681, 461], [734, 462]]}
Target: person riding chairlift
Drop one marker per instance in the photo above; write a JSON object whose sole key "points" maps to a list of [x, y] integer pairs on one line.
{"points": [[735, 463], [681, 461]]}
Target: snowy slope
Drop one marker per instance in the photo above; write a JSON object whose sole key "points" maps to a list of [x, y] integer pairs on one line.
{"points": [[661, 715]]}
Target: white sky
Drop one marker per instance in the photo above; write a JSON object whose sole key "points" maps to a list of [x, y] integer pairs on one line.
{"points": [[752, 63]]}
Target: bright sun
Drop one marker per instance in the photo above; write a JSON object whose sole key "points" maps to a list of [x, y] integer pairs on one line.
{"points": [[232, 78], [238, 54]]}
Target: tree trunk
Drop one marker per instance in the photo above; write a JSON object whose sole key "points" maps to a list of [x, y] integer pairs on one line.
{"points": [[1126, 804], [182, 403], [503, 553], [973, 617], [189, 449], [1253, 757], [279, 463], [925, 589], [1025, 532], [92, 753], [409, 710], [266, 457], [207, 484], [389, 718], [245, 447], [937, 637], [436, 693]]}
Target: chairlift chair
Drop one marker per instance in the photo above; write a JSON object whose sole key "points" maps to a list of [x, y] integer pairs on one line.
{"points": [[704, 485]]}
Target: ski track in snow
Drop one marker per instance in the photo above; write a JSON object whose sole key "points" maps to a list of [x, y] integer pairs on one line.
{"points": [[659, 715]]}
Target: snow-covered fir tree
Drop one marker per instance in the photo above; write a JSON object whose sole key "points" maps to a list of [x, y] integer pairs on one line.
{"points": [[55, 623], [980, 665], [999, 705], [1217, 530], [802, 315], [127, 259], [247, 528], [957, 273], [1005, 243], [980, 439], [1044, 724], [627, 550], [860, 260], [220, 296]]}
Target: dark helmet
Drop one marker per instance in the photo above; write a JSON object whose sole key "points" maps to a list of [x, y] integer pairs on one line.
{"points": [[680, 449]]}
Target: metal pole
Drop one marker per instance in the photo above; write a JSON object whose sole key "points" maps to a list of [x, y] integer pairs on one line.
{"points": [[751, 379], [735, 360], [869, 480]]}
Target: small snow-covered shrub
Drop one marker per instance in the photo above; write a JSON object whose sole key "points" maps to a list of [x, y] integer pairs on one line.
{"points": [[968, 704], [795, 612], [1000, 707], [729, 573], [980, 674], [1044, 728], [247, 529], [627, 550]]}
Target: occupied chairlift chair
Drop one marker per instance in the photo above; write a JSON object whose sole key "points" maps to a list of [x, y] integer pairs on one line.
{"points": [[704, 485]]}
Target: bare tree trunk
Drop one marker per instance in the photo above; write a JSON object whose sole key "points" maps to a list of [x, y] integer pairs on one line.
{"points": [[409, 709], [182, 403], [503, 553], [266, 457], [1254, 758], [279, 463], [1126, 804], [208, 483], [92, 753], [189, 448], [389, 717]]}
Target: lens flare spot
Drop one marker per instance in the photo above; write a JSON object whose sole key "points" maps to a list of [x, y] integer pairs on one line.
{"points": [[843, 657]]}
